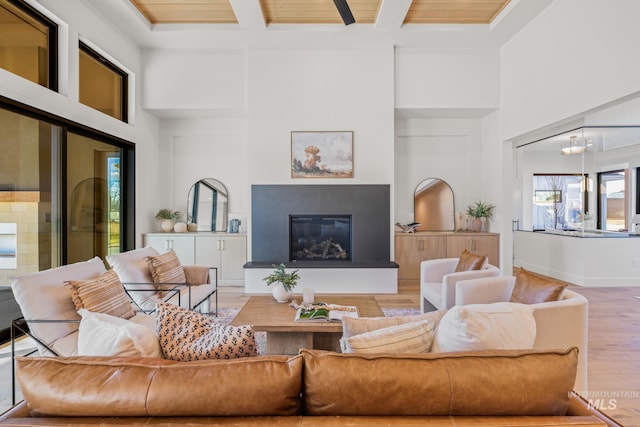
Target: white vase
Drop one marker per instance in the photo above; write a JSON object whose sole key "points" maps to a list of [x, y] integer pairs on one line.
{"points": [[167, 225], [180, 227], [280, 294]]}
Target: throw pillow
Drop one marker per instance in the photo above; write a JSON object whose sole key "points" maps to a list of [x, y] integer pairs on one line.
{"points": [[359, 325], [103, 294], [532, 288], [469, 261], [186, 335], [415, 337], [166, 268], [498, 326], [105, 335]]}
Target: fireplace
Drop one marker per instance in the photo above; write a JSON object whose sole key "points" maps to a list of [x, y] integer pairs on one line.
{"points": [[319, 237]]}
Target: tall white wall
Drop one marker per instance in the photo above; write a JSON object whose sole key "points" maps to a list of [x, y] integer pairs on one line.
{"points": [[575, 56]]}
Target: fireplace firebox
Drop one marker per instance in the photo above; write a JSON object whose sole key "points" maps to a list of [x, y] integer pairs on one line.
{"points": [[320, 237]]}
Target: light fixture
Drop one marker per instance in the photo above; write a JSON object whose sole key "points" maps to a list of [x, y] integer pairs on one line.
{"points": [[574, 147]]}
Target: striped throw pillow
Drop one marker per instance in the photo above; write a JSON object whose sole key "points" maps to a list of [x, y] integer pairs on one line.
{"points": [[104, 294], [415, 337], [166, 268]]}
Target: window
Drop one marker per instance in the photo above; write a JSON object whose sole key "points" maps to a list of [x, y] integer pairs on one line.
{"points": [[28, 43], [559, 201], [103, 86], [612, 200], [69, 188]]}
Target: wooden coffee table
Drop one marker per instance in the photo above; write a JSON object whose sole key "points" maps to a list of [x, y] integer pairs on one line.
{"points": [[286, 336]]}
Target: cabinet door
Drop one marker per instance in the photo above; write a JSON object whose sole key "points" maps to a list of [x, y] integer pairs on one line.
{"points": [[183, 245], [233, 257], [407, 257], [477, 244], [432, 247], [208, 251]]}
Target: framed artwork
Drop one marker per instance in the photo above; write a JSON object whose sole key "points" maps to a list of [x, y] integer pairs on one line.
{"points": [[548, 196], [323, 154]]}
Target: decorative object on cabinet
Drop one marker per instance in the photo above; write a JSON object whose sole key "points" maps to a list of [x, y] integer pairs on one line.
{"points": [[167, 218], [323, 154], [408, 228], [180, 227], [207, 205], [234, 225], [284, 282], [481, 213], [433, 206]]}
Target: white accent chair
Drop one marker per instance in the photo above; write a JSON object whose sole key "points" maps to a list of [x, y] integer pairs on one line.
{"points": [[134, 273], [559, 324], [438, 280]]}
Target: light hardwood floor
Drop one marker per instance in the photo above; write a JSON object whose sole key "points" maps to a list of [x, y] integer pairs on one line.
{"points": [[614, 343]]}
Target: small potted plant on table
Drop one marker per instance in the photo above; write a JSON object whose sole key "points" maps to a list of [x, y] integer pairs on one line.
{"points": [[284, 282]]}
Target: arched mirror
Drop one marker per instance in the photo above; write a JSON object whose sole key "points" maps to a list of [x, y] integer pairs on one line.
{"points": [[433, 206], [207, 205]]}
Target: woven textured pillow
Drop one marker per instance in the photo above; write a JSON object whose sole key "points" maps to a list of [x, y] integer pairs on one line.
{"points": [[469, 261], [186, 335], [531, 288], [104, 294], [415, 337], [166, 268]]}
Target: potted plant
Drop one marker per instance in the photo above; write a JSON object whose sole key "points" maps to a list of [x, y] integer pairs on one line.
{"points": [[284, 282], [480, 212], [167, 217]]}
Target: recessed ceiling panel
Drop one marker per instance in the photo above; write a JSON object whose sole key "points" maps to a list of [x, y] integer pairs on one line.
{"points": [[186, 11], [454, 11]]}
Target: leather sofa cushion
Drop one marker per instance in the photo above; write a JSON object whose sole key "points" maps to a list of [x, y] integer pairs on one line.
{"points": [[113, 386], [492, 382]]}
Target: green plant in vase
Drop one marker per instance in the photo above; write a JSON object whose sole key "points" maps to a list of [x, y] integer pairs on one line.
{"points": [[480, 212], [167, 217], [284, 282]]}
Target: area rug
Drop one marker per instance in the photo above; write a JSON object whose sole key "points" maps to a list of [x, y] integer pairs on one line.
{"points": [[226, 315]]}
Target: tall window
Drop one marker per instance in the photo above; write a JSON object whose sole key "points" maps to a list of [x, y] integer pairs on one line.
{"points": [[559, 201], [103, 86], [613, 204], [68, 188], [28, 43]]}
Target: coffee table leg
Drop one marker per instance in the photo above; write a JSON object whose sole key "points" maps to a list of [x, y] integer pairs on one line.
{"points": [[288, 342]]}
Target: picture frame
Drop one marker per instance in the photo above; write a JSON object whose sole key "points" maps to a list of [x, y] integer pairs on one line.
{"points": [[547, 196], [321, 154]]}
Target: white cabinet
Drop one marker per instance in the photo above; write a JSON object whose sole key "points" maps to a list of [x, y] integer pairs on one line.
{"points": [[225, 251], [182, 244]]}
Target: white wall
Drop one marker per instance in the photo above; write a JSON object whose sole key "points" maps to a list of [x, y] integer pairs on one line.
{"points": [[448, 149], [575, 56], [447, 78], [77, 20]]}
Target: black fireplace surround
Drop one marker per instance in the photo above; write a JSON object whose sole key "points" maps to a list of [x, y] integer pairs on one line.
{"points": [[366, 209]]}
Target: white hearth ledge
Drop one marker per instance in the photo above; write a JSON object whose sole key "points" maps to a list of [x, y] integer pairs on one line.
{"points": [[331, 280]]}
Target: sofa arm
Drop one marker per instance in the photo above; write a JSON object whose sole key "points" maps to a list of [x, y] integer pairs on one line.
{"points": [[486, 290], [197, 274]]}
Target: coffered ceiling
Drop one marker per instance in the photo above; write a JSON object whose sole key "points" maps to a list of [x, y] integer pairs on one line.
{"points": [[319, 11]]}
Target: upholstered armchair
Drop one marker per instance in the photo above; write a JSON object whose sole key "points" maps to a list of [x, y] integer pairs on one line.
{"points": [[149, 285], [438, 278]]}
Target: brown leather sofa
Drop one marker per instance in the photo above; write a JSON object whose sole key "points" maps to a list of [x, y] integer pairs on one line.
{"points": [[313, 388]]}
